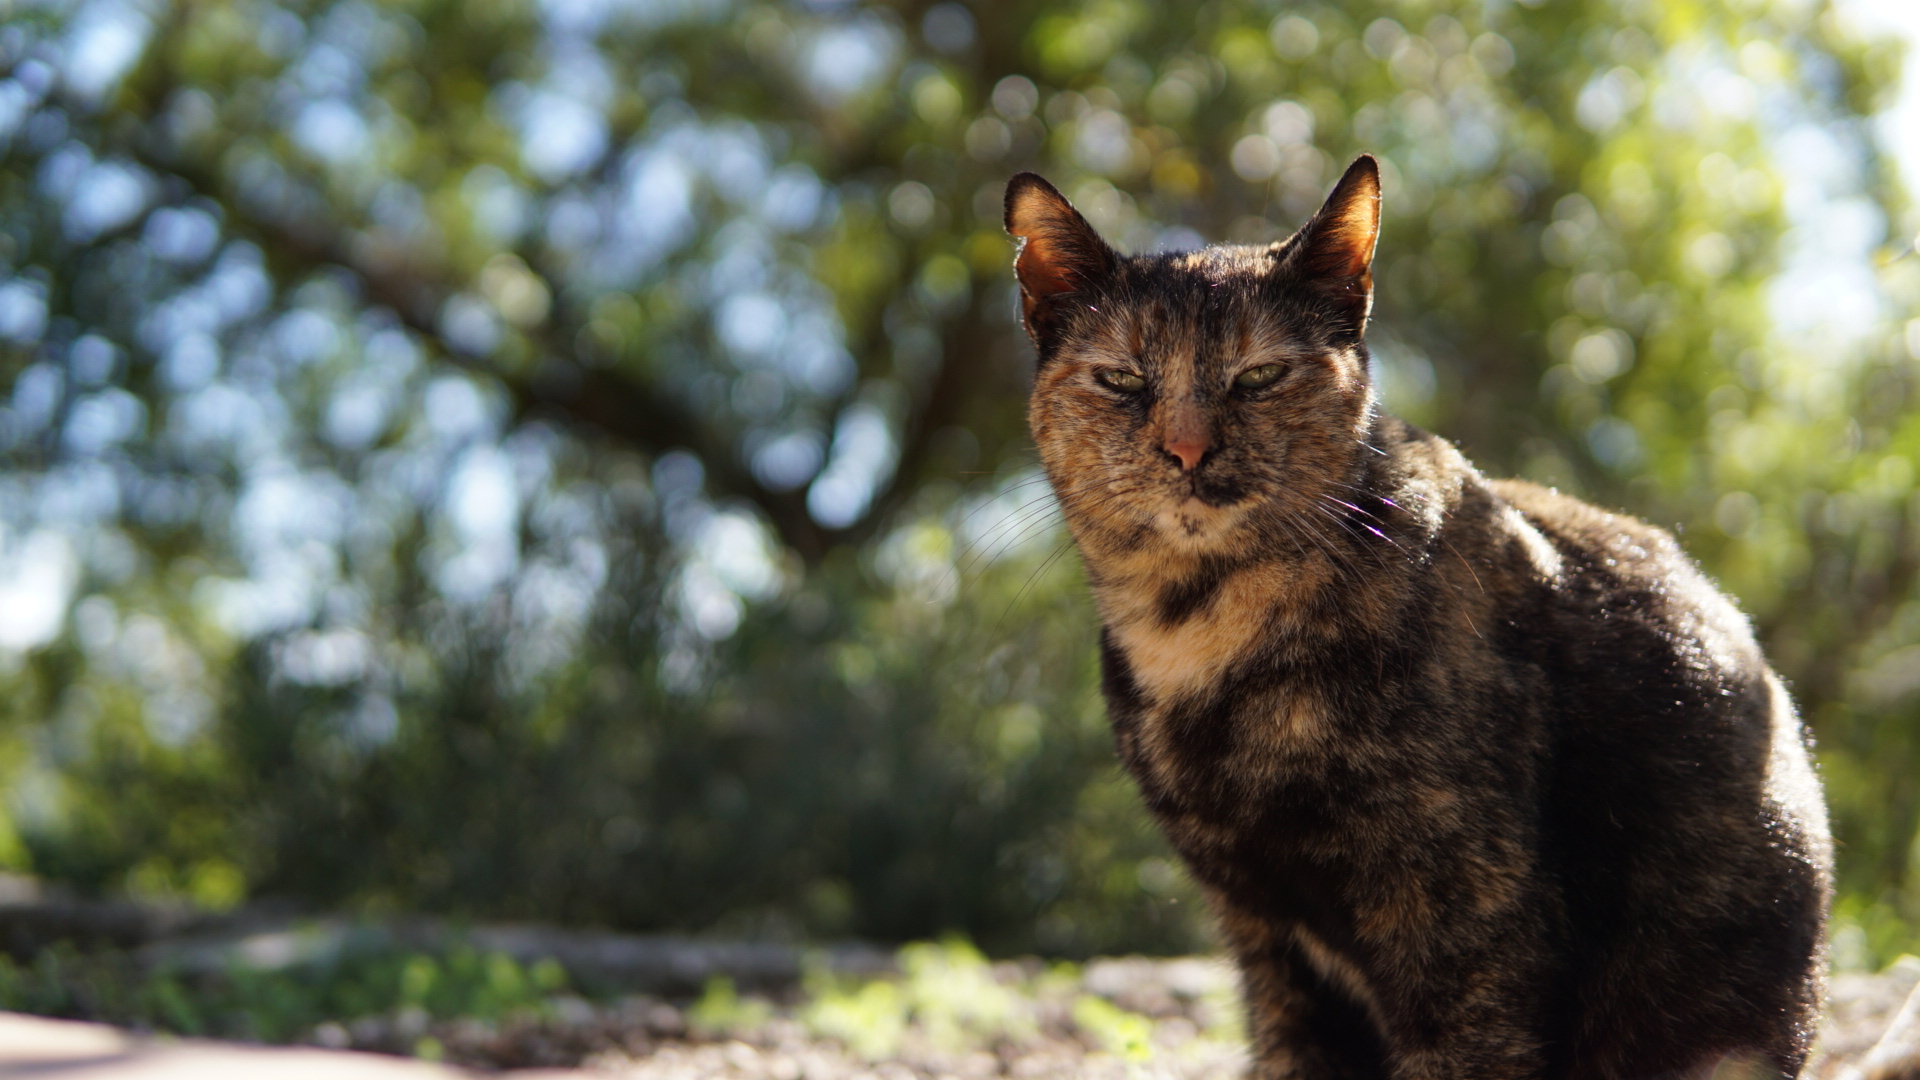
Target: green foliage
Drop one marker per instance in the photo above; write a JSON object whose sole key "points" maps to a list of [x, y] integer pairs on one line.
{"points": [[946, 1002], [947, 991], [1120, 1032], [278, 1005], [948, 999], [721, 1009], [567, 462]]}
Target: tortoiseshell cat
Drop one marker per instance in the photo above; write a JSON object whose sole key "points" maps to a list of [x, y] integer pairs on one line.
{"points": [[1483, 782]]}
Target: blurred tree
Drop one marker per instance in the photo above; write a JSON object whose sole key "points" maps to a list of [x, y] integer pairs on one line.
{"points": [[567, 459]]}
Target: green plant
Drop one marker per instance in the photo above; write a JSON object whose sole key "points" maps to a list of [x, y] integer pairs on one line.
{"points": [[278, 1005]]}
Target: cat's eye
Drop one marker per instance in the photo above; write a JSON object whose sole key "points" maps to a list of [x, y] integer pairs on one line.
{"points": [[1124, 381], [1264, 375]]}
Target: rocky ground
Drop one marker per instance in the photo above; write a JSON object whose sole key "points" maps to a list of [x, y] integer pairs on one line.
{"points": [[946, 1014], [643, 1007], [940, 1017], [1860, 1009], [1133, 1018]]}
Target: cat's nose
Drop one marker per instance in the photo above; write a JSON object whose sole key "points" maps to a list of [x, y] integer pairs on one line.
{"points": [[1189, 447]]}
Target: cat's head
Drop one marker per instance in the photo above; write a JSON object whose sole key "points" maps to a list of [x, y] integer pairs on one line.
{"points": [[1186, 402]]}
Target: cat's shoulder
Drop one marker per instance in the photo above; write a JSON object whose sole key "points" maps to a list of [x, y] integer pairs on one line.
{"points": [[1633, 570], [1618, 540], [1482, 510]]}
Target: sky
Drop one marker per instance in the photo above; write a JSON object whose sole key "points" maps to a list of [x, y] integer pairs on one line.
{"points": [[1900, 125]]}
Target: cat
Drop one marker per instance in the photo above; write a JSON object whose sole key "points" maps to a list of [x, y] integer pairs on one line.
{"points": [[1481, 782]]}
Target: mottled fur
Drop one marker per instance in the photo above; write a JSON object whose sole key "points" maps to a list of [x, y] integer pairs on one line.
{"points": [[1483, 782]]}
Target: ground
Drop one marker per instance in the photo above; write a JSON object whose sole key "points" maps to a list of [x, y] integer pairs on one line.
{"points": [[940, 1011]]}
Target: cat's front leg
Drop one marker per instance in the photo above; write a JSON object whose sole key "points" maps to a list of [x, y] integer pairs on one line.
{"points": [[1479, 1018], [1301, 1025]]}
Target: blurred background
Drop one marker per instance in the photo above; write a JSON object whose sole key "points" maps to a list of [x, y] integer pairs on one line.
{"points": [[565, 460]]}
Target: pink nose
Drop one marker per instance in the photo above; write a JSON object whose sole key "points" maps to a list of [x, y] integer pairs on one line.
{"points": [[1189, 449]]}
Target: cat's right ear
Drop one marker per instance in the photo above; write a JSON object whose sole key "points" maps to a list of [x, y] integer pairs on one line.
{"points": [[1060, 254], [1333, 251]]}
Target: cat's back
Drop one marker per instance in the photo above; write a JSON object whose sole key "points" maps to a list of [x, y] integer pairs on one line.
{"points": [[1618, 583], [1678, 782], [1651, 699], [1651, 675]]}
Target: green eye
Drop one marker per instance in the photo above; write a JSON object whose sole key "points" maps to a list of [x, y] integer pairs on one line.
{"points": [[1264, 375], [1124, 381]]}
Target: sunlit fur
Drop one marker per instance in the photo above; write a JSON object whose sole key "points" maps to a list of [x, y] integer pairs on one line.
{"points": [[1482, 782]]}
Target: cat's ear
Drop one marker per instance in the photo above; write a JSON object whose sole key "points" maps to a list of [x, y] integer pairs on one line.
{"points": [[1060, 254], [1333, 251]]}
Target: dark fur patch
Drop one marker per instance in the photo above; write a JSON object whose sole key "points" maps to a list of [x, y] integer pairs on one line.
{"points": [[1182, 597], [1335, 1037], [1124, 703]]}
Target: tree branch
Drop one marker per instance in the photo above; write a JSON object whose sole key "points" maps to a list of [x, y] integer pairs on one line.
{"points": [[556, 385]]}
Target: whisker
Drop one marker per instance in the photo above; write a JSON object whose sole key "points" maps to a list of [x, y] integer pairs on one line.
{"points": [[1017, 514], [1465, 563], [1042, 499], [1347, 525], [1006, 533], [1302, 527], [989, 544], [996, 497], [1025, 521], [1362, 524], [1028, 584], [1011, 520], [1033, 524]]}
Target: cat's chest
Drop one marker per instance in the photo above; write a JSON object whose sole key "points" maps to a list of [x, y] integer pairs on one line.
{"points": [[1176, 654], [1169, 663]]}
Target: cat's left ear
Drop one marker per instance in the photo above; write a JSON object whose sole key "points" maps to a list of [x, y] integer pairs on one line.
{"points": [[1061, 254], [1333, 251]]}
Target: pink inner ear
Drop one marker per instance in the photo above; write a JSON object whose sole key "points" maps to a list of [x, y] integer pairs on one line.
{"points": [[1343, 234], [1041, 271], [1060, 253], [1350, 240]]}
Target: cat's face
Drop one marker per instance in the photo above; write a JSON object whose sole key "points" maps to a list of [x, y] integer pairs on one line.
{"points": [[1196, 403]]}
